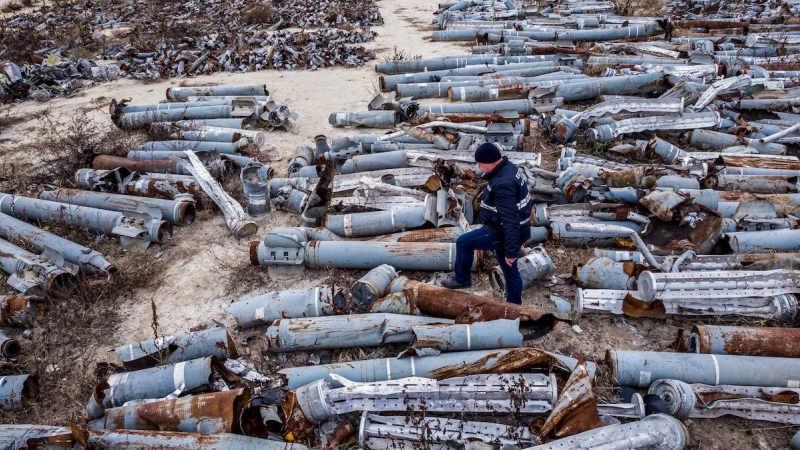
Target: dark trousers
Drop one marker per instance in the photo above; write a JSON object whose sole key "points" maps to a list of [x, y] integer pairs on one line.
{"points": [[480, 239]]}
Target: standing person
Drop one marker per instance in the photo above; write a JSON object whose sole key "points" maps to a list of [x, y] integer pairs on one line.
{"points": [[505, 213]]}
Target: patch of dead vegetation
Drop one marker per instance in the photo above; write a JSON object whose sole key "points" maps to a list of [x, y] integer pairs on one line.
{"points": [[64, 146], [74, 333]]}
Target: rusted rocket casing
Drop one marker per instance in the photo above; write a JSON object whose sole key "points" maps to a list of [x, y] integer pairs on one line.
{"points": [[149, 440], [446, 365], [156, 185], [658, 431], [433, 339], [43, 437], [9, 348], [178, 212], [30, 272], [373, 285], [109, 162], [437, 301], [753, 341], [182, 94], [173, 349], [15, 389], [263, 309], [197, 375], [130, 226], [21, 310], [355, 330], [213, 413], [89, 261], [168, 186], [639, 369]]}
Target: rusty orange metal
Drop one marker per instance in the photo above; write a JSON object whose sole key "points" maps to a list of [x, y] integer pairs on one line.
{"points": [[21, 310], [764, 163], [216, 412], [507, 360], [108, 162], [575, 411], [437, 301], [753, 341]]}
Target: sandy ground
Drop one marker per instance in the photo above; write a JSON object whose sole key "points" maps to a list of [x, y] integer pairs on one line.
{"points": [[206, 268]]}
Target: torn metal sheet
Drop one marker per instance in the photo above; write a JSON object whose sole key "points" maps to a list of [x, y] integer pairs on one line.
{"points": [[576, 409], [446, 365]]}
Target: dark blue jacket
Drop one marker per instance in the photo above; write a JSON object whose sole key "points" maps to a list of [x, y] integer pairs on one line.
{"points": [[506, 207]]}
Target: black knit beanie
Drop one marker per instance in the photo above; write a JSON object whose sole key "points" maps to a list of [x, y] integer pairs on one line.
{"points": [[487, 153]]}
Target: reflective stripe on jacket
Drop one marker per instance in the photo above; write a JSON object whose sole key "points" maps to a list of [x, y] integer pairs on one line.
{"points": [[506, 207]]}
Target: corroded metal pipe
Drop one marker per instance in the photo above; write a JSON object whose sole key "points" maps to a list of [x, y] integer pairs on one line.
{"points": [[15, 389], [446, 365], [88, 260], [355, 330], [178, 212], [21, 310], [263, 309], [182, 94], [658, 431], [130, 226], [639, 369], [753, 341], [173, 349], [442, 302], [213, 413]]}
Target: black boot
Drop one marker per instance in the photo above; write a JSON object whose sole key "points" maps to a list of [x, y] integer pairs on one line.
{"points": [[451, 283]]}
